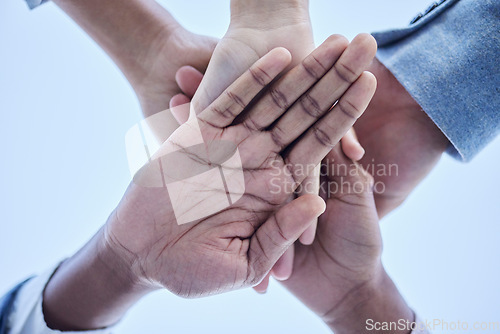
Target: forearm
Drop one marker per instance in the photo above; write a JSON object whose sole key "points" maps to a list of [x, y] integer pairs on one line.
{"points": [[371, 305], [126, 30], [92, 289]]}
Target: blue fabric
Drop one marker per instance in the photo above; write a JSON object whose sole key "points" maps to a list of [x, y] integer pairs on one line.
{"points": [[6, 304], [35, 3], [448, 60]]}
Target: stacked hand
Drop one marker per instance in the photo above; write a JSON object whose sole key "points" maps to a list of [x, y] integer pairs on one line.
{"points": [[288, 128], [255, 28], [279, 144], [238, 246], [340, 276]]}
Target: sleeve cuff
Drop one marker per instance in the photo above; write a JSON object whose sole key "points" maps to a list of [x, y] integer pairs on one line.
{"points": [[35, 3], [27, 316], [447, 62]]}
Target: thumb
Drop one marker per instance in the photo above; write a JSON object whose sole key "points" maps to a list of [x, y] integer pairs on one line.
{"points": [[189, 79], [310, 185], [279, 232], [179, 107]]}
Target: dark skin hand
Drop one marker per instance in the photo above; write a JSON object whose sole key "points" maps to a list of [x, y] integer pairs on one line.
{"points": [[340, 276], [395, 130], [144, 246]]}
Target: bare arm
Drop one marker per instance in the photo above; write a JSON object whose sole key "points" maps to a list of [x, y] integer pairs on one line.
{"points": [[145, 42]]}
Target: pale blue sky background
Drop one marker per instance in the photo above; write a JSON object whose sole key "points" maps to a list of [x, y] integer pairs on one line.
{"points": [[65, 110]]}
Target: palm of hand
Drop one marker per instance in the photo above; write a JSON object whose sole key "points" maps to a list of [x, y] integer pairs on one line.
{"points": [[237, 246], [223, 251], [242, 46]]}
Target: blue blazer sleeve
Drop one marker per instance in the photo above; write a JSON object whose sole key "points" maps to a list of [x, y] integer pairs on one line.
{"points": [[6, 305], [448, 60], [35, 3]]}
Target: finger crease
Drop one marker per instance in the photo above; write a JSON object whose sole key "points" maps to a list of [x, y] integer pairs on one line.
{"points": [[311, 106], [323, 138]]}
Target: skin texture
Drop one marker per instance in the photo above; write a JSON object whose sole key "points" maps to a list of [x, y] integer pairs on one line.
{"points": [[146, 43], [340, 276], [149, 47], [141, 248], [255, 28], [392, 117]]}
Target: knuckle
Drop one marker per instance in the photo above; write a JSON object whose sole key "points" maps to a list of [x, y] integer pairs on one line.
{"points": [[323, 137], [313, 67], [236, 99], [252, 125], [349, 109], [345, 73], [226, 113], [311, 106], [278, 137], [259, 75], [280, 234], [279, 99]]}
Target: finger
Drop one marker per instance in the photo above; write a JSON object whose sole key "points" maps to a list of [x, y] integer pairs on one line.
{"points": [[295, 83], [320, 99], [352, 184], [282, 270], [307, 238], [179, 106], [262, 286], [310, 185], [178, 100], [325, 134], [279, 232], [189, 79], [351, 146], [237, 97]]}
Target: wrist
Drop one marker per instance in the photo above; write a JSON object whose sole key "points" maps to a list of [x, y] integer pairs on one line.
{"points": [[375, 302], [266, 14], [92, 289]]}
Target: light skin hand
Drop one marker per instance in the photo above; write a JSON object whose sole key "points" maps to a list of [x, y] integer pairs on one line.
{"points": [[340, 276], [149, 46], [145, 50], [256, 27], [143, 58], [141, 248]]}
